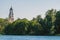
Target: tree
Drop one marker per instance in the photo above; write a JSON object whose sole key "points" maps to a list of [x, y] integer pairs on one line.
{"points": [[49, 21], [34, 28], [3, 24], [18, 27], [57, 22]]}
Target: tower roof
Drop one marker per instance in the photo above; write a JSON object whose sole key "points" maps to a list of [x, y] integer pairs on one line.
{"points": [[11, 8]]}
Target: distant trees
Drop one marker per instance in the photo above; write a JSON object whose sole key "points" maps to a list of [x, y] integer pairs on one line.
{"points": [[18, 27], [35, 28], [49, 21], [3, 24], [50, 25], [57, 22]]}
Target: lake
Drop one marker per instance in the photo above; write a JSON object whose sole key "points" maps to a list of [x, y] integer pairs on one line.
{"points": [[4, 37]]}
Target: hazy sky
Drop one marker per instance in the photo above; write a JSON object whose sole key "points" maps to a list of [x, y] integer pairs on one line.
{"points": [[27, 8]]}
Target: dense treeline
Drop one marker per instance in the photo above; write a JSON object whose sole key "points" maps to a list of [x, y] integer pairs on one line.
{"points": [[50, 25]]}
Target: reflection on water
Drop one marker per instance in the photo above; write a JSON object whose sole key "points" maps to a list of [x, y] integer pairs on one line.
{"points": [[29, 38]]}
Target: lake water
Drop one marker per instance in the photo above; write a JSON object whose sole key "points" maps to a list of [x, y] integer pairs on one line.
{"points": [[29, 37]]}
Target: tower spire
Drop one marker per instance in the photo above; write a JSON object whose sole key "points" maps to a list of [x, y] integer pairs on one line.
{"points": [[11, 17]]}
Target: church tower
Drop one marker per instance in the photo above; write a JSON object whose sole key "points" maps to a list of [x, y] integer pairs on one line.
{"points": [[11, 15]]}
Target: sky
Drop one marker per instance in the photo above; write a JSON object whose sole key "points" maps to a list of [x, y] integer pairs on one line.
{"points": [[27, 8]]}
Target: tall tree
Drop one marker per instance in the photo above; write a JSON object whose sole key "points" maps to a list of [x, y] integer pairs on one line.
{"points": [[49, 21], [57, 22]]}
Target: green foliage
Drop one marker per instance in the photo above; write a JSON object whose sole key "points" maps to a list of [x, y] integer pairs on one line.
{"points": [[3, 24], [18, 27], [34, 28], [57, 22], [49, 20], [50, 25]]}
